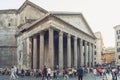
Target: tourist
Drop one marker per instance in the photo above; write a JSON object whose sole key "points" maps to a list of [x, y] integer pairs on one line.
{"points": [[80, 73], [49, 73], [12, 75], [44, 72], [15, 71]]}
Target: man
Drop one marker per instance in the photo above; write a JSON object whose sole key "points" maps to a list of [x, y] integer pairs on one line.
{"points": [[80, 73], [45, 72]]}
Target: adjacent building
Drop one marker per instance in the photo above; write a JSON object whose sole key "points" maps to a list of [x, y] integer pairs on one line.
{"points": [[108, 56], [62, 39], [117, 44], [99, 47], [8, 43]]}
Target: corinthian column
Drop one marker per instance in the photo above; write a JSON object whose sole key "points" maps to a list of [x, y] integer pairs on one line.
{"points": [[29, 53], [90, 55], [60, 50], [41, 60], [75, 52], [35, 52], [93, 54], [68, 51], [85, 57], [51, 49], [81, 53]]}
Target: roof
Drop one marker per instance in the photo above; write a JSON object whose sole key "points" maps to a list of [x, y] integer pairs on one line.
{"points": [[27, 2], [28, 26], [64, 12], [109, 50], [73, 13], [8, 11]]}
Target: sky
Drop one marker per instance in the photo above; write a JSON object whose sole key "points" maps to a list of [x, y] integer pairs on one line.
{"points": [[101, 15]]}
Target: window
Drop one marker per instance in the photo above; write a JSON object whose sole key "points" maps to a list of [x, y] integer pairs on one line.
{"points": [[83, 54], [9, 24], [119, 57], [118, 49], [95, 46], [118, 43], [117, 32], [118, 37], [95, 53], [95, 63]]}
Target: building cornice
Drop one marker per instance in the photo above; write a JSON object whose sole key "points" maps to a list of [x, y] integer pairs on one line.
{"points": [[8, 11], [50, 17]]}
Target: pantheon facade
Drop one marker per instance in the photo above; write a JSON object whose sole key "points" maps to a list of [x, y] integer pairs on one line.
{"points": [[54, 39]]}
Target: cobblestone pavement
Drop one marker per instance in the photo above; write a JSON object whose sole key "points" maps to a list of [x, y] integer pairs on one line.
{"points": [[89, 76]]}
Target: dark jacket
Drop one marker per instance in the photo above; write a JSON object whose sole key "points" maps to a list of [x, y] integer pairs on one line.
{"points": [[80, 72]]}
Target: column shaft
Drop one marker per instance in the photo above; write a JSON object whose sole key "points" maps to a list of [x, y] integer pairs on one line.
{"points": [[93, 53], [35, 52], [51, 49], [29, 53], [41, 56], [68, 51], [60, 50], [85, 52], [87, 57], [81, 53], [75, 52], [90, 55]]}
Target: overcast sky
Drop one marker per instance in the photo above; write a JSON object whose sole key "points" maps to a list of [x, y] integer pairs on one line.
{"points": [[101, 15]]}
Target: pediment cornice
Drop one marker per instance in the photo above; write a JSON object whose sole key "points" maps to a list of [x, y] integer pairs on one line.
{"points": [[27, 2], [51, 18]]}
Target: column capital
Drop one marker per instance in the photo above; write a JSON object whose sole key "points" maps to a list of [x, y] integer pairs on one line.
{"points": [[42, 32], [85, 42], [81, 41], [50, 29], [88, 43], [68, 35], [75, 38], [35, 37], [60, 33]]}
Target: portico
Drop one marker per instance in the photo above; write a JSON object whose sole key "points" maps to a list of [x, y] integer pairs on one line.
{"points": [[62, 40], [52, 47]]}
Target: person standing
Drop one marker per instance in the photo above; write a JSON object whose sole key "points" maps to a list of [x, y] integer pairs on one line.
{"points": [[80, 73], [12, 75], [49, 73], [15, 71], [45, 73]]}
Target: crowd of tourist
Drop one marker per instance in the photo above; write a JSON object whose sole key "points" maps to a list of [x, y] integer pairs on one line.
{"points": [[48, 74], [45, 73], [107, 72]]}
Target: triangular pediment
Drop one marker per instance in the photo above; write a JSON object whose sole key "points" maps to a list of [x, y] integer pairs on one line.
{"points": [[27, 2], [29, 11], [75, 19], [51, 18]]}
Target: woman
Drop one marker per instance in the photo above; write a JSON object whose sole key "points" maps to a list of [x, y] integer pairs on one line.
{"points": [[12, 76]]}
